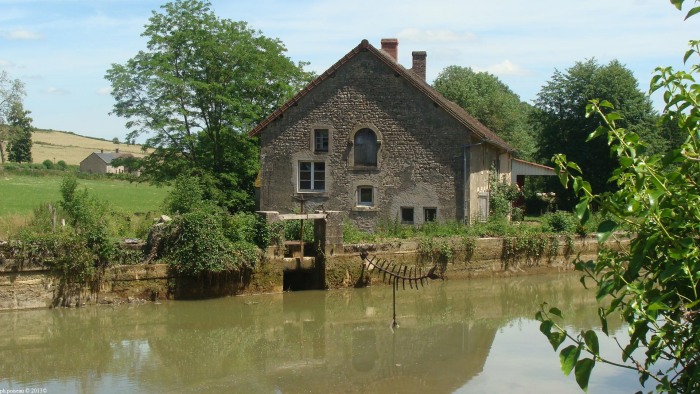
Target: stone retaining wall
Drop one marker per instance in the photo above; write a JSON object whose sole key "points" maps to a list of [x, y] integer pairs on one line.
{"points": [[23, 286]]}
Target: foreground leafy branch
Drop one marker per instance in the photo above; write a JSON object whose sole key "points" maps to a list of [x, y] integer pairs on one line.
{"points": [[653, 287]]}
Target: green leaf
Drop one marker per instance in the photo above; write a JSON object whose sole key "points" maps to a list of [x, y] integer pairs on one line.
{"points": [[583, 372], [677, 3], [603, 321], [568, 357], [556, 339], [574, 166], [555, 312], [591, 339], [605, 229], [582, 211], [604, 288], [654, 196], [546, 327], [692, 12], [606, 104]]}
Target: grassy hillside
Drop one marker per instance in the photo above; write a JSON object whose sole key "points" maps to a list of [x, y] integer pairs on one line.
{"points": [[72, 148], [21, 194]]}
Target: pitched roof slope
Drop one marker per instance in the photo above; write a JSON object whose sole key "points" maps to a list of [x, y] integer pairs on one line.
{"points": [[109, 156], [452, 108]]}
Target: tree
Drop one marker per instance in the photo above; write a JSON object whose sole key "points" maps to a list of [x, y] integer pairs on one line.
{"points": [[559, 116], [11, 91], [19, 147], [202, 83], [491, 102], [653, 286]]}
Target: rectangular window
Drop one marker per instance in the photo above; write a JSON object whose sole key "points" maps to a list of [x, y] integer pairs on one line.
{"points": [[365, 196], [429, 214], [312, 176], [321, 140], [407, 215]]}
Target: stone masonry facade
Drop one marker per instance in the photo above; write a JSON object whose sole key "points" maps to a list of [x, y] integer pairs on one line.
{"points": [[308, 149]]}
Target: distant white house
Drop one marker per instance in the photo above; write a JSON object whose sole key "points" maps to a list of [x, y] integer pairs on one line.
{"points": [[101, 162]]}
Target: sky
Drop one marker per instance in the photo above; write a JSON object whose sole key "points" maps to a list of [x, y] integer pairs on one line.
{"points": [[61, 49]]}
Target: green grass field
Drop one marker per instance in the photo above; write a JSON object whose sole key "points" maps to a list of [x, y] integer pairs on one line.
{"points": [[21, 194]]}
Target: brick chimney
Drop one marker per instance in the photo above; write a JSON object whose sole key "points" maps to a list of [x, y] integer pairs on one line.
{"points": [[419, 63], [391, 47], [117, 150]]}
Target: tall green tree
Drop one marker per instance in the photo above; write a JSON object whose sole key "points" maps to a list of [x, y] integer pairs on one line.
{"points": [[560, 118], [11, 92], [654, 285], [491, 102], [19, 146], [202, 83]]}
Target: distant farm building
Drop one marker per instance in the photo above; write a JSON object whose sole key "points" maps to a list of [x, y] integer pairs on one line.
{"points": [[101, 162]]}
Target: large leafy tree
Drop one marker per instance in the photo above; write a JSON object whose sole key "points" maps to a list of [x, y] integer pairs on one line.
{"points": [[19, 146], [559, 115], [11, 93], [200, 85], [490, 101], [654, 285]]}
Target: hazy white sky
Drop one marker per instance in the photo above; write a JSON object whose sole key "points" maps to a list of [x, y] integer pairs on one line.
{"points": [[61, 49]]}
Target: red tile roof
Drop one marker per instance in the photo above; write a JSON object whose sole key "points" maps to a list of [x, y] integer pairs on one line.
{"points": [[453, 109]]}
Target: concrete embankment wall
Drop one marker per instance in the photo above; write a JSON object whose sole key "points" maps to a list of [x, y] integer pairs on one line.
{"points": [[25, 286]]}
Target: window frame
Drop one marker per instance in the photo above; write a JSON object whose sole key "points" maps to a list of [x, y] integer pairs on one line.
{"points": [[313, 172], [370, 148], [413, 215], [317, 132], [368, 204], [426, 210]]}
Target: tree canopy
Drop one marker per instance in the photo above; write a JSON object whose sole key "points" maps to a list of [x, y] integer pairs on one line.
{"points": [[491, 102], [559, 115], [196, 90], [11, 93], [19, 146]]}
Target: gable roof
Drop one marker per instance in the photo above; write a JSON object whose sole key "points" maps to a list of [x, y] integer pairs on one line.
{"points": [[450, 107], [109, 156]]}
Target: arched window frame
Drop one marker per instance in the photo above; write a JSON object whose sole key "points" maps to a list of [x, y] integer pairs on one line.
{"points": [[351, 142]]}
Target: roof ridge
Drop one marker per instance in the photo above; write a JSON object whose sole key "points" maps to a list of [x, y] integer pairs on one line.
{"points": [[450, 107]]}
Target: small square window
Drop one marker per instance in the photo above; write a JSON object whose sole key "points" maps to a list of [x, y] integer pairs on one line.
{"points": [[429, 214], [321, 140], [407, 215], [365, 196]]}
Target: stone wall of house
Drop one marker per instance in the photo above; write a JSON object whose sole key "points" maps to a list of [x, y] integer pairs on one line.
{"points": [[93, 164], [420, 159]]}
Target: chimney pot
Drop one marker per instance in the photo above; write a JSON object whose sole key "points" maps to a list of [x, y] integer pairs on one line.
{"points": [[419, 63], [116, 150], [391, 47], [102, 151]]}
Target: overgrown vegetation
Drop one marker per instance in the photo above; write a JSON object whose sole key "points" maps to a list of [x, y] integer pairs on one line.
{"points": [[653, 287], [76, 237]]}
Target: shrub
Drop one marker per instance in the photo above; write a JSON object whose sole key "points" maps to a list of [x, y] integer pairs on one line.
{"points": [[195, 243], [61, 165], [186, 195], [48, 164], [560, 222]]}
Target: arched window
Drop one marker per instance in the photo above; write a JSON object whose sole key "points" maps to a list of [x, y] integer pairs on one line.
{"points": [[365, 148]]}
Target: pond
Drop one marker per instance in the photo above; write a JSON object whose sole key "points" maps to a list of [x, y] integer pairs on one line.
{"points": [[463, 336]]}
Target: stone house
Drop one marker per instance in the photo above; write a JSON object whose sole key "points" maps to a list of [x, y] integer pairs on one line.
{"points": [[101, 162], [373, 139]]}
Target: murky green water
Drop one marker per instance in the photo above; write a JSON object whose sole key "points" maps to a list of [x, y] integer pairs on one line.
{"points": [[454, 336]]}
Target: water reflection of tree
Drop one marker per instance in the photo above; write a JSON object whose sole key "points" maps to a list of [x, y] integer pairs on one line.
{"points": [[340, 338]]}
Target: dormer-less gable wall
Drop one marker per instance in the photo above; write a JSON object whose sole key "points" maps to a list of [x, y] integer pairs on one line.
{"points": [[419, 153]]}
